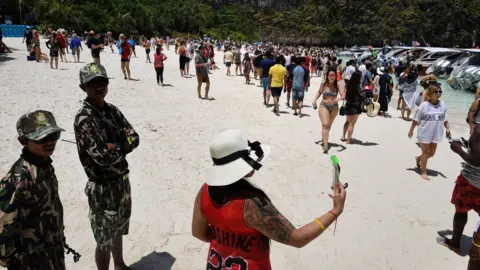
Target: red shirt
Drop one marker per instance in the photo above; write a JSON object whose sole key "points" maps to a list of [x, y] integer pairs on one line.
{"points": [[125, 50], [307, 60], [61, 40], [235, 245]]}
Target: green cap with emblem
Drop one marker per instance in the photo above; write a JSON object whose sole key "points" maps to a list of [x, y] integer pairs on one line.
{"points": [[92, 71], [37, 125]]}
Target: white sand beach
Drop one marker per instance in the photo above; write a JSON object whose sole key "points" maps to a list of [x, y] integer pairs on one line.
{"points": [[391, 216]]}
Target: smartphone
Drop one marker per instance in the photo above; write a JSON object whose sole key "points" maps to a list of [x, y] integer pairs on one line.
{"points": [[336, 172]]}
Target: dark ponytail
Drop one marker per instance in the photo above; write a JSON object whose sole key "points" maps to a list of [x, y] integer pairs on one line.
{"points": [[222, 195]]}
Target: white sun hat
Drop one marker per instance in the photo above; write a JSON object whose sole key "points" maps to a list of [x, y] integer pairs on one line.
{"points": [[380, 70], [373, 109], [234, 157]]}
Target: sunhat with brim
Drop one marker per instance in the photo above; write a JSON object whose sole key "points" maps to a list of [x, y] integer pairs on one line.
{"points": [[37, 125], [234, 156], [373, 109]]}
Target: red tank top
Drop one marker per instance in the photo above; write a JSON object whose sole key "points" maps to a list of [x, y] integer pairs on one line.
{"points": [[235, 245]]}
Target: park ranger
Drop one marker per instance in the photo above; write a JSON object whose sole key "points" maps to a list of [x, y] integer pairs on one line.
{"points": [[31, 213], [104, 138]]}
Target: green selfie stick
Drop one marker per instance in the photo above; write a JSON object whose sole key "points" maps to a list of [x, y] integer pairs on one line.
{"points": [[336, 170]]}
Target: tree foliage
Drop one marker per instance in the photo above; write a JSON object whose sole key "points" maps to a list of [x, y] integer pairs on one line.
{"points": [[339, 22]]}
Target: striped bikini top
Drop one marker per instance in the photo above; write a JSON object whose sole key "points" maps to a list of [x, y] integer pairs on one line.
{"points": [[329, 93]]}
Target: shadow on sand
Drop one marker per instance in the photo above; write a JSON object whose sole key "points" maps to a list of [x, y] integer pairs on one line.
{"points": [[429, 172], [359, 142], [330, 144], [155, 261], [5, 58], [465, 243]]}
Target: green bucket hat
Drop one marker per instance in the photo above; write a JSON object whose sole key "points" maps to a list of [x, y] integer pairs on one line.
{"points": [[37, 125], [92, 71]]}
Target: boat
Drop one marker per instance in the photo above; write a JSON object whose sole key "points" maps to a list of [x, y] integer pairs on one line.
{"points": [[391, 55], [430, 55], [444, 66], [467, 75]]}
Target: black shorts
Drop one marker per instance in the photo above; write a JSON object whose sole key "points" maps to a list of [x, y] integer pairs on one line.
{"points": [[183, 60], [125, 60], [238, 63], [96, 53], [228, 64], [276, 91], [53, 53], [147, 51]]}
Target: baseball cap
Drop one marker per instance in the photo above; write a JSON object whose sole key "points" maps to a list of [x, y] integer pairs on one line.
{"points": [[92, 71], [37, 125]]}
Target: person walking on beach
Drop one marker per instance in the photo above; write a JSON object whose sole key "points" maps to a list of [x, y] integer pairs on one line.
{"points": [[188, 58], [353, 105], [265, 66], [473, 114], [328, 108], [432, 121], [158, 59], [182, 52], [289, 83], [466, 197], [349, 70], [386, 91], [126, 54], [277, 80], [298, 85], [96, 45], [237, 55], [36, 45], [27, 38], [131, 41], [63, 45], [75, 46], [247, 68], [104, 138], [32, 234], [228, 60], [54, 46], [146, 45], [229, 209], [202, 71]]}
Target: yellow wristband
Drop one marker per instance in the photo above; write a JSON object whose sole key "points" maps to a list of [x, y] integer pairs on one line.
{"points": [[475, 244], [320, 223]]}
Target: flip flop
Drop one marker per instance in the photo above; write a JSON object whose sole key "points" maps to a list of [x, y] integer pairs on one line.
{"points": [[443, 241], [343, 140]]}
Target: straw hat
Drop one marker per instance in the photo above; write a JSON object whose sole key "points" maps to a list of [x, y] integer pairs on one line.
{"points": [[372, 109], [234, 156]]}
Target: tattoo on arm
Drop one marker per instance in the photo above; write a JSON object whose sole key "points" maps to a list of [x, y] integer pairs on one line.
{"points": [[268, 220]]}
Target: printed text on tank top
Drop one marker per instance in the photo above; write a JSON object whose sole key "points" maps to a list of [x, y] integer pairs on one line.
{"points": [[235, 245]]}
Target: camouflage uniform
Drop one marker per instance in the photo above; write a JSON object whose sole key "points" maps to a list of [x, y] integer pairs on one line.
{"points": [[31, 213], [108, 186]]}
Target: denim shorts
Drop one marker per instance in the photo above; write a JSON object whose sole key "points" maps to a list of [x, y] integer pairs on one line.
{"points": [[265, 83], [297, 94]]}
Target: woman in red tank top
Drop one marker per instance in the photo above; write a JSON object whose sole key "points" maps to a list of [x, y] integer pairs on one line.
{"points": [[238, 219]]}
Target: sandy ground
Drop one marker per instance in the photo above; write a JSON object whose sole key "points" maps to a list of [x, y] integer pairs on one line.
{"points": [[391, 215]]}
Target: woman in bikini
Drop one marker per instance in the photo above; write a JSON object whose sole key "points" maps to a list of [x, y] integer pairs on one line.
{"points": [[328, 108]]}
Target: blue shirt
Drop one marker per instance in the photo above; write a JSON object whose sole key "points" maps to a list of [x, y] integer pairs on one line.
{"points": [[132, 43], [366, 78], [75, 42], [266, 65], [298, 78]]}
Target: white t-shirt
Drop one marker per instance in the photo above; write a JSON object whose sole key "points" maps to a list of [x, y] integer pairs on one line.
{"points": [[288, 60], [430, 119], [348, 72], [363, 69]]}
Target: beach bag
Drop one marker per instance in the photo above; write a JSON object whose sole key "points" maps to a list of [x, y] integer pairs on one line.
{"points": [[341, 111]]}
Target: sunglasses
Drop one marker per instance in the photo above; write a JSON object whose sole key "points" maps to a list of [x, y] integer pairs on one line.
{"points": [[438, 92], [53, 137]]}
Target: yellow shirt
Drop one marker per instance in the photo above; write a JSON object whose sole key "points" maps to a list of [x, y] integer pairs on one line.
{"points": [[278, 72]]}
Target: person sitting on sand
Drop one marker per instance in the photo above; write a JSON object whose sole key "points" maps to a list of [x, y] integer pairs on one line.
{"points": [[229, 209], [431, 119], [466, 197]]}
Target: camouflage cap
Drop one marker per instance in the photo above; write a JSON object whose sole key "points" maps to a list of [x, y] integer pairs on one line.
{"points": [[37, 125], [92, 71]]}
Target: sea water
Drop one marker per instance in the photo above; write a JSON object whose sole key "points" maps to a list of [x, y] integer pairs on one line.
{"points": [[458, 101]]}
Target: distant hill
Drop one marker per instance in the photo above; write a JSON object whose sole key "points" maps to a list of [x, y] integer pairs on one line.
{"points": [[333, 22]]}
